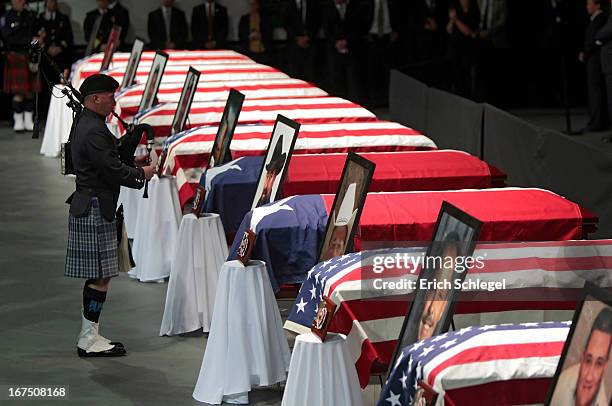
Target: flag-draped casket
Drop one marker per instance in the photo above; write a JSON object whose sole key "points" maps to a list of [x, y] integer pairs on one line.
{"points": [[229, 186], [187, 152], [308, 110], [129, 99], [539, 276], [290, 231], [91, 65]]}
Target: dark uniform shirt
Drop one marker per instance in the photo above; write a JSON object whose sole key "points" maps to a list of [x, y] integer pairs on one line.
{"points": [[58, 33], [18, 29], [98, 168]]}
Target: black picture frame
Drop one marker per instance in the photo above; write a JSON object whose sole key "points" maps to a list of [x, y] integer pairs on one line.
{"points": [[283, 127], [451, 219], [591, 294], [353, 163], [133, 62], [225, 131], [153, 81], [91, 42], [190, 88], [111, 47]]}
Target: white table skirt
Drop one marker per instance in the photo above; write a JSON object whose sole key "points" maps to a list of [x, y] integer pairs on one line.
{"points": [[246, 346], [321, 374], [201, 249], [130, 199], [57, 128], [157, 223]]}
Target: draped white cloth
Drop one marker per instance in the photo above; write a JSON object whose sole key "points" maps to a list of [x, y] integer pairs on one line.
{"points": [[322, 373], [57, 127], [201, 249], [157, 223], [246, 346], [130, 199]]}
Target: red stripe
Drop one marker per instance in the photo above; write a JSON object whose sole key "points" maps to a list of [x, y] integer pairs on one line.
{"points": [[274, 107], [498, 352], [510, 392]]}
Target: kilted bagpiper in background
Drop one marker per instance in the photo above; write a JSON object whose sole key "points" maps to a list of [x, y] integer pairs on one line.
{"points": [[92, 228], [18, 27]]}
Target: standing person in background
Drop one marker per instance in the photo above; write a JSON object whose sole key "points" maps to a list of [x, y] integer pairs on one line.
{"points": [[19, 28], [429, 21], [302, 23], [109, 14], [463, 23], [381, 21], [340, 22], [591, 56], [57, 41], [209, 25], [603, 38], [255, 33], [493, 47], [167, 27]]}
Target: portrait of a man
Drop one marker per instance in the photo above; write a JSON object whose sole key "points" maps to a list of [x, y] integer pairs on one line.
{"points": [[273, 168], [583, 383], [153, 81], [184, 104], [130, 71], [342, 224], [278, 156], [437, 299], [218, 148]]}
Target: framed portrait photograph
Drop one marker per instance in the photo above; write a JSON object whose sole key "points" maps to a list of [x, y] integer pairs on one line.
{"points": [[153, 81], [93, 42], [132, 66], [220, 152], [111, 46], [277, 159], [350, 197], [584, 374], [184, 105], [446, 261]]}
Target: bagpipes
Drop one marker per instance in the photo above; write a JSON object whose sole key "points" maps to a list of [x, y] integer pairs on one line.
{"points": [[127, 144]]}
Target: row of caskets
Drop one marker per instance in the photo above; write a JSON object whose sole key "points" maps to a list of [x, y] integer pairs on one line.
{"points": [[411, 180]]}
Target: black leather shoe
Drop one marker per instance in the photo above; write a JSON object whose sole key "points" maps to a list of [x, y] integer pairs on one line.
{"points": [[113, 352], [116, 344]]}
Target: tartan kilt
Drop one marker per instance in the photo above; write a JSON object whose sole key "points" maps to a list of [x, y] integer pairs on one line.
{"points": [[17, 75], [92, 247]]}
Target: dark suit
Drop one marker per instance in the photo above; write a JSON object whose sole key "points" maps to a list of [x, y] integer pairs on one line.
{"points": [[199, 26], [379, 51], [265, 29], [424, 44], [58, 33], [156, 25], [604, 37], [595, 79], [345, 27], [117, 15], [98, 168], [301, 59]]}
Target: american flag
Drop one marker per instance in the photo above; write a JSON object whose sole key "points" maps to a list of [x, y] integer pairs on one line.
{"points": [[306, 110], [215, 72], [129, 99], [187, 152], [538, 275], [90, 65], [476, 356]]}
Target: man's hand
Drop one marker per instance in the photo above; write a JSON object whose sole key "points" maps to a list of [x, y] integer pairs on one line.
{"points": [[210, 44], [484, 35], [430, 24], [341, 46], [581, 56], [303, 41], [54, 50], [149, 171], [142, 160], [170, 45], [394, 36], [255, 35]]}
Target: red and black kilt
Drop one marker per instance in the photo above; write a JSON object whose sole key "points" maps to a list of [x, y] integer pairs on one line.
{"points": [[18, 79]]}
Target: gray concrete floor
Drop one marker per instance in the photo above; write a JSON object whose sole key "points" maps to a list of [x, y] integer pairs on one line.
{"points": [[40, 308]]}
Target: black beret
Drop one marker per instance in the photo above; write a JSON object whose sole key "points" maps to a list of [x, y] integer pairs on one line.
{"points": [[98, 83]]}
